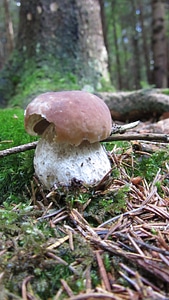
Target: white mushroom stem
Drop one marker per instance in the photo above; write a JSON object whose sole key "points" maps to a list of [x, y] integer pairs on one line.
{"points": [[59, 163]]}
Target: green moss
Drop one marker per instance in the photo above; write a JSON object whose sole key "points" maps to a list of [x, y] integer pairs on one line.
{"points": [[37, 78], [107, 261], [26, 240], [120, 146], [106, 86], [15, 170], [165, 91], [39, 83], [148, 166], [23, 78]]}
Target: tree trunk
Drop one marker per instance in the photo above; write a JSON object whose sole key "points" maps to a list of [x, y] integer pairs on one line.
{"points": [[9, 29], [159, 47], [118, 63], [70, 30], [105, 35], [64, 35], [126, 83], [146, 51], [135, 43]]}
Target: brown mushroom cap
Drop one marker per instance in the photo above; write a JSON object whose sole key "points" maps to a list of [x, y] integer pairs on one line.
{"points": [[76, 115]]}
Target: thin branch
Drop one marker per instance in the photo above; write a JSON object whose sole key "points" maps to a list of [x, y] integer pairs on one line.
{"points": [[122, 128], [17, 149], [164, 138], [136, 136]]}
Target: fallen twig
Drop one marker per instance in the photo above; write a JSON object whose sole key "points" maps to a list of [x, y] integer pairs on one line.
{"points": [[102, 270], [123, 128], [136, 136], [116, 137], [24, 285], [96, 296], [66, 287], [17, 149]]}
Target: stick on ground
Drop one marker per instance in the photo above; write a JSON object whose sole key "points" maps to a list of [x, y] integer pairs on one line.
{"points": [[116, 137], [17, 149]]}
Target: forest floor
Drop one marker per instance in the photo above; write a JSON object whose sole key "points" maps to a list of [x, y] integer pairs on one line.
{"points": [[109, 241]]}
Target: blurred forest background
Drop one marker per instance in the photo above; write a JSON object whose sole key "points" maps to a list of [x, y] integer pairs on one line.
{"points": [[40, 40]]}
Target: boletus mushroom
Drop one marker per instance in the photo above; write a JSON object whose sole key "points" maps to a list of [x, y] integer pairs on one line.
{"points": [[71, 124]]}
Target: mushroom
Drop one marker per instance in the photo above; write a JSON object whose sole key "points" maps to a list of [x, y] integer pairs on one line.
{"points": [[71, 124]]}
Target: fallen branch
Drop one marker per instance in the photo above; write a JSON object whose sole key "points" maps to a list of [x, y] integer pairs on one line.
{"points": [[17, 149], [164, 138], [141, 104], [136, 136], [123, 128]]}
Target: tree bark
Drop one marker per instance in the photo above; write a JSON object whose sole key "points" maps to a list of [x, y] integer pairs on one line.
{"points": [[105, 35], [126, 83], [9, 29], [70, 31], [137, 105], [117, 53], [146, 51], [64, 35], [159, 46], [136, 48]]}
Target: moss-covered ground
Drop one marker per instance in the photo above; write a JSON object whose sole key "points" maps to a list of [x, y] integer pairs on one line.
{"points": [[15, 171], [34, 77], [110, 241]]}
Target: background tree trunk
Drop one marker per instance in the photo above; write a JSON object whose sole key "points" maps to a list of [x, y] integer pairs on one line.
{"points": [[70, 31], [159, 46], [145, 42], [136, 48], [125, 65], [117, 54], [105, 36], [62, 35], [9, 29]]}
